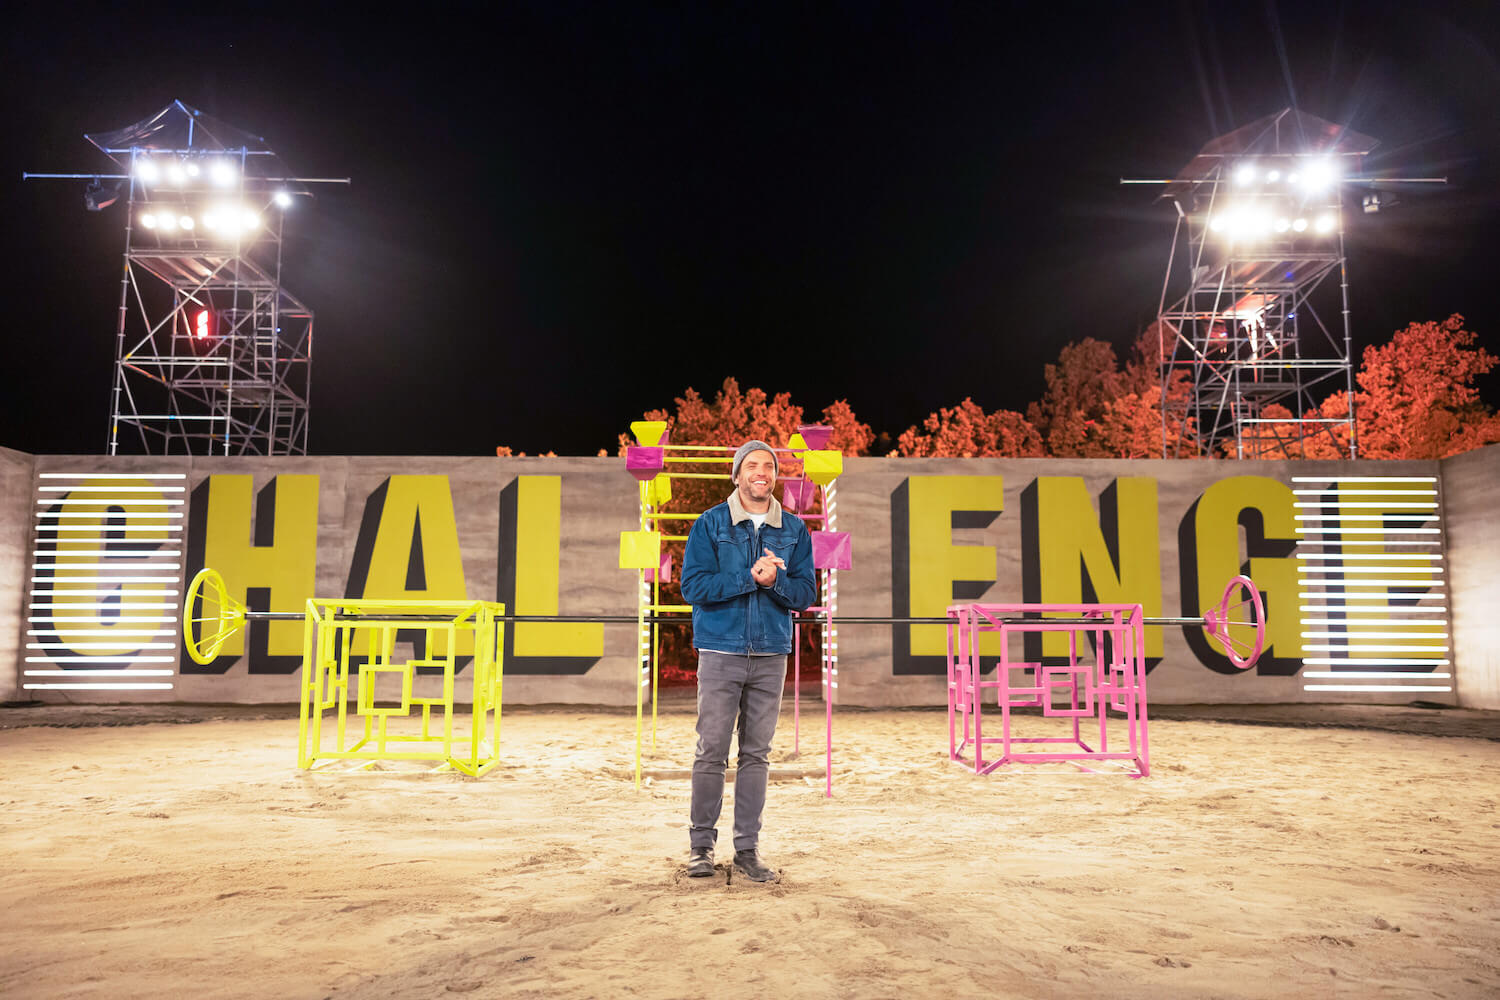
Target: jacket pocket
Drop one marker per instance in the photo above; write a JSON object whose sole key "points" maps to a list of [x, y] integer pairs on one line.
{"points": [[780, 542]]}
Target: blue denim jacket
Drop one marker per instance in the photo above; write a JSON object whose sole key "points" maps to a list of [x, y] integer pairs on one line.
{"points": [[731, 612]]}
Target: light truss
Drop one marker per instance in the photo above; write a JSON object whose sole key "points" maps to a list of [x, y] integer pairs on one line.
{"points": [[212, 354], [1258, 332]]}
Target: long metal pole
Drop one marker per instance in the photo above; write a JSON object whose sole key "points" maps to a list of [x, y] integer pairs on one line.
{"points": [[1348, 344], [288, 616], [114, 402]]}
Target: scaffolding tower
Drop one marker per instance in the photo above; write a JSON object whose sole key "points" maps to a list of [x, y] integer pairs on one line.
{"points": [[1259, 331], [212, 354]]}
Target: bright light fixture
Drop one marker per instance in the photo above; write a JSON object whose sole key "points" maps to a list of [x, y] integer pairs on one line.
{"points": [[167, 221], [147, 171], [176, 175], [1245, 174], [1300, 225], [251, 219], [283, 199], [148, 220], [1319, 175], [186, 222], [1283, 224], [1324, 224], [1273, 176], [192, 169], [222, 172], [1216, 224]]}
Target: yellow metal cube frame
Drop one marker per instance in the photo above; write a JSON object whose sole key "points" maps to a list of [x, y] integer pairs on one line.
{"points": [[337, 631], [346, 646]]}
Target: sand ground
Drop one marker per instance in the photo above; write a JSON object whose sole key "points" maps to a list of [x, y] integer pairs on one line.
{"points": [[1274, 857]]}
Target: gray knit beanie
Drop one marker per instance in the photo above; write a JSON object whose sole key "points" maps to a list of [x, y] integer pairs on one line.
{"points": [[747, 448]]}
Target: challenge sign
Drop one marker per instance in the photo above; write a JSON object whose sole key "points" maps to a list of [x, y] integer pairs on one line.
{"points": [[1348, 556]]}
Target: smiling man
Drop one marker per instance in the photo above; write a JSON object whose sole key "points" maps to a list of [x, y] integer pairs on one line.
{"points": [[747, 568]]}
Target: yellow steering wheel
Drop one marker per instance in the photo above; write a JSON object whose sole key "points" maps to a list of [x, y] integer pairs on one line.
{"points": [[210, 616]]}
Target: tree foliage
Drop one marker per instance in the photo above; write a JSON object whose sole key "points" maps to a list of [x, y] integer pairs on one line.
{"points": [[733, 416], [966, 431], [1417, 397]]}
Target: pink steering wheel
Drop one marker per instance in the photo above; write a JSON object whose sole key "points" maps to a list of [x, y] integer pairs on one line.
{"points": [[1238, 623]]}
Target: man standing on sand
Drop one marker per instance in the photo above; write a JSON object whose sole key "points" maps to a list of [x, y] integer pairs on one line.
{"points": [[747, 568]]}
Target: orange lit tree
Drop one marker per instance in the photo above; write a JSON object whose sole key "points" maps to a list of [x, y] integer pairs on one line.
{"points": [[734, 416], [1416, 397], [966, 431]]}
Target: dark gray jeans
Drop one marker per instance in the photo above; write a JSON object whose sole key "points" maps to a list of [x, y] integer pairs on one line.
{"points": [[730, 687]]}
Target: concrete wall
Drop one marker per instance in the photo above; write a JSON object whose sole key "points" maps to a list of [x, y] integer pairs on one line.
{"points": [[16, 470], [1173, 533], [1471, 487], [542, 536]]}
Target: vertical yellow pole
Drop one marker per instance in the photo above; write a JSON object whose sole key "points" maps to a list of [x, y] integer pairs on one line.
{"points": [[451, 632], [310, 669], [641, 599], [640, 627], [345, 651], [499, 681], [655, 651], [323, 680], [479, 700]]}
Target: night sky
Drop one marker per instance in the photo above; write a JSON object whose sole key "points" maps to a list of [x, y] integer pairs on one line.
{"points": [[564, 214]]}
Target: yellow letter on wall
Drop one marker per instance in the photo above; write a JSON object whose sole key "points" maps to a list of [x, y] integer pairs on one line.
{"points": [[935, 564], [81, 580], [1071, 543], [281, 556], [1217, 533], [415, 554], [538, 550]]}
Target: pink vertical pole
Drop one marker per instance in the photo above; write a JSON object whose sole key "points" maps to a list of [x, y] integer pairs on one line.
{"points": [[1100, 670], [1140, 666], [1072, 688], [976, 701], [796, 688], [828, 703], [952, 744]]}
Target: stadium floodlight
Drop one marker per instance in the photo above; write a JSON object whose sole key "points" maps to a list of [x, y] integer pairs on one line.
{"points": [[1300, 225], [283, 199], [1319, 175], [1324, 224], [192, 186], [1244, 174]]}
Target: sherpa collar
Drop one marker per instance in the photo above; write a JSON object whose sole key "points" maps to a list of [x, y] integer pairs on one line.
{"points": [[738, 513]]}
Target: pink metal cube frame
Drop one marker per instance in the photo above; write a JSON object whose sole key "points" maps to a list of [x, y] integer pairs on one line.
{"points": [[1110, 678]]}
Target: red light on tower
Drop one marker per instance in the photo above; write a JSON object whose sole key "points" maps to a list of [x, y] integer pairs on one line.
{"points": [[202, 324]]}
